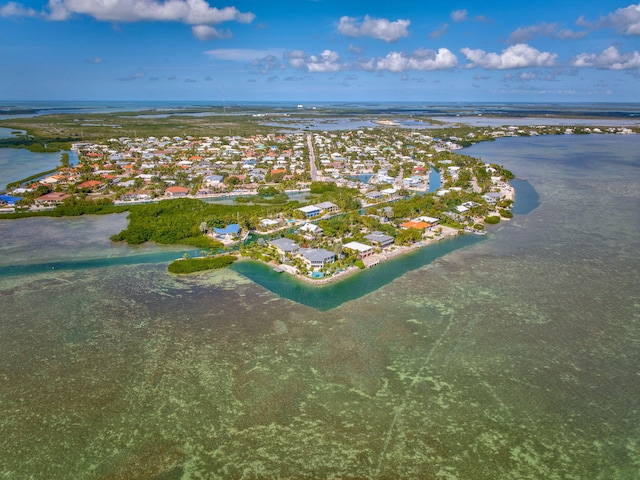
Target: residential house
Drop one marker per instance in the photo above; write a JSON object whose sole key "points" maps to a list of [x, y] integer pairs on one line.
{"points": [[380, 239], [418, 225], [310, 211], [327, 207], [317, 258], [52, 198], [361, 249], [284, 246], [310, 228], [177, 191]]}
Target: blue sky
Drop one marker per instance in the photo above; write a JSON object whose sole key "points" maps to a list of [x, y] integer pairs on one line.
{"points": [[320, 50]]}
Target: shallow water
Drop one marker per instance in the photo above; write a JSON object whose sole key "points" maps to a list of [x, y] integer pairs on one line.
{"points": [[515, 357]]}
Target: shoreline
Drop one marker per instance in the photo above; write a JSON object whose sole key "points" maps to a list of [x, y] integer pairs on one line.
{"points": [[398, 250]]}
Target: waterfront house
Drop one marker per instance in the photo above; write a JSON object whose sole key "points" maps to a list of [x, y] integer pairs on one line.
{"points": [[380, 239], [284, 246], [317, 258], [430, 220], [228, 234], [361, 249], [418, 225], [177, 191], [53, 198]]}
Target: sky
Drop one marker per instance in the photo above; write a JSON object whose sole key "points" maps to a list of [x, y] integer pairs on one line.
{"points": [[320, 50]]}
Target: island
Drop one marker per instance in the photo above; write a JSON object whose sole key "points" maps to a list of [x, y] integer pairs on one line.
{"points": [[315, 204]]}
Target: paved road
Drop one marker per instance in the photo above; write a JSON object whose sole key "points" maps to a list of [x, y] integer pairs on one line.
{"points": [[312, 160]]}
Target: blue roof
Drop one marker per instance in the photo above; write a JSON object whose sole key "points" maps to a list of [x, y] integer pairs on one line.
{"points": [[231, 229], [9, 199]]}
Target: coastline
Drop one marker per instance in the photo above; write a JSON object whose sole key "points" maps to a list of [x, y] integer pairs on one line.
{"points": [[398, 250]]}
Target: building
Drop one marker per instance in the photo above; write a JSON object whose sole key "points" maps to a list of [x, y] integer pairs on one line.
{"points": [[284, 246], [361, 249], [317, 258], [52, 198], [177, 191], [310, 228], [380, 239], [233, 229], [430, 220], [327, 207], [418, 225], [310, 211]]}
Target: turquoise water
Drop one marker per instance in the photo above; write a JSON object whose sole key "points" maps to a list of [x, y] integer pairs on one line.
{"points": [[516, 356], [356, 286]]}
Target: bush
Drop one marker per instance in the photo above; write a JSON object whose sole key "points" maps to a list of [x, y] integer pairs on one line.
{"points": [[492, 220], [192, 265], [506, 213]]}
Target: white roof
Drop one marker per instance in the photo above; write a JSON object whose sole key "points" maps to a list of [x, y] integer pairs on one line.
{"points": [[360, 247], [309, 208]]}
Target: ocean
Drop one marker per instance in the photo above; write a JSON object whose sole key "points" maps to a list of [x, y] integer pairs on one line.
{"points": [[514, 356]]}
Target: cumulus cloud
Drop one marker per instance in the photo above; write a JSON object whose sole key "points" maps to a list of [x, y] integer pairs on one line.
{"points": [[516, 56], [297, 58], [13, 9], [207, 32], [624, 20], [327, 61], [550, 30], [192, 12], [379, 28], [421, 59], [609, 59]]}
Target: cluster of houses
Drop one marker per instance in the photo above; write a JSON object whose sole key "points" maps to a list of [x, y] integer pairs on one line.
{"points": [[370, 250], [144, 169]]}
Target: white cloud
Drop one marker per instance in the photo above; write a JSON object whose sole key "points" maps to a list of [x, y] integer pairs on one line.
{"points": [[13, 9], [266, 64], [421, 59], [459, 15], [624, 20], [516, 56], [240, 54], [610, 59], [462, 15], [297, 58], [191, 12], [551, 30], [440, 31], [327, 61], [207, 32], [379, 28]]}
